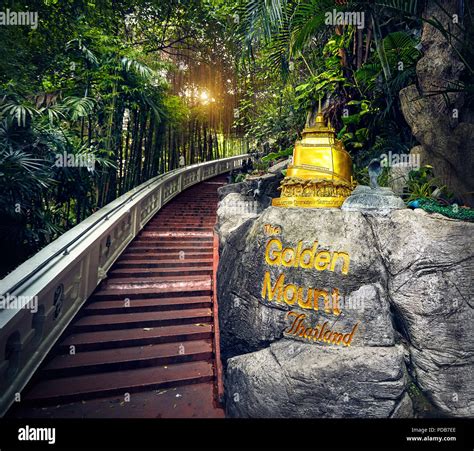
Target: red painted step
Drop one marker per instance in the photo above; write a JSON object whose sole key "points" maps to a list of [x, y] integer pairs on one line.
{"points": [[172, 244], [161, 271], [167, 220], [90, 323], [53, 391], [191, 286], [148, 263], [173, 240], [89, 341], [147, 305], [128, 358], [169, 249], [165, 255]]}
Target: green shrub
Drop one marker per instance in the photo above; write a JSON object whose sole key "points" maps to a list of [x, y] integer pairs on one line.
{"points": [[422, 184]]}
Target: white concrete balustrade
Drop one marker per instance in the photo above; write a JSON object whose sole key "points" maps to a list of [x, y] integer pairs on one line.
{"points": [[60, 277]]}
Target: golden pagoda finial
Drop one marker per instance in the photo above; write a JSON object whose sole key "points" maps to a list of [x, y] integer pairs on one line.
{"points": [[320, 117]]}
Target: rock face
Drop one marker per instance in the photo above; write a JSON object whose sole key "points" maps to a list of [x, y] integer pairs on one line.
{"points": [[235, 209], [442, 124], [399, 172], [329, 313], [379, 201], [240, 201], [268, 188], [431, 267]]}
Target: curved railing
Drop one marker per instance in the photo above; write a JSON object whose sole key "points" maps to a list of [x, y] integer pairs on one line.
{"points": [[45, 292]]}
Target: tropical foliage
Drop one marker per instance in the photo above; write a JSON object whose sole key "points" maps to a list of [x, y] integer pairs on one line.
{"points": [[100, 97], [104, 95], [288, 48]]}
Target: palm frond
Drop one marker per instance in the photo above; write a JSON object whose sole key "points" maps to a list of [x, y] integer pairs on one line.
{"points": [[144, 71], [308, 20], [84, 51], [263, 16], [20, 172], [54, 113], [400, 45], [13, 110], [77, 107]]}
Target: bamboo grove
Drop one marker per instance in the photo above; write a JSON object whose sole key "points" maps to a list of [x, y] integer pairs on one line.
{"points": [[129, 86]]}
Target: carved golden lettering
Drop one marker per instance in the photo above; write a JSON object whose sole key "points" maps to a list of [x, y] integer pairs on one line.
{"points": [[322, 261], [287, 256], [326, 336], [335, 302], [268, 253], [310, 253], [345, 263], [308, 298], [336, 338], [277, 289], [306, 258], [347, 340], [298, 252], [321, 294], [271, 230], [308, 302], [299, 317], [322, 332], [292, 289]]}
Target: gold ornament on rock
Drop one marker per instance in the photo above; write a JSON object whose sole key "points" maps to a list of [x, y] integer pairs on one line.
{"points": [[320, 175]]}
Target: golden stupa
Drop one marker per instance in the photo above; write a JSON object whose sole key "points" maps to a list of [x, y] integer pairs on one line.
{"points": [[320, 175]]}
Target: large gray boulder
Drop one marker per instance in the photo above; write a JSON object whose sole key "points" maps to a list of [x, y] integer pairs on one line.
{"points": [[401, 279], [268, 187], [233, 211], [248, 322], [288, 380]]}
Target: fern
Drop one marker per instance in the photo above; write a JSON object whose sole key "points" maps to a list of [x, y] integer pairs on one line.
{"points": [[410, 7]]}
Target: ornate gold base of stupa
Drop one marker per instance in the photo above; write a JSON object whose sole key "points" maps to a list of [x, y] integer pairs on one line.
{"points": [[296, 192], [320, 175]]}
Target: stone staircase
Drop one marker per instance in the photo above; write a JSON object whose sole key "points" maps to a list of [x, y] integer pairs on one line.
{"points": [[143, 345]]}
